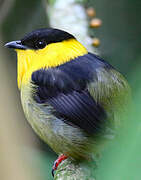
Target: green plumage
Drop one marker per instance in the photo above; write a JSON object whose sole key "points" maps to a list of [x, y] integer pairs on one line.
{"points": [[106, 87]]}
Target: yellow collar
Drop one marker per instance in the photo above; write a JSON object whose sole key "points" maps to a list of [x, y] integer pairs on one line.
{"points": [[52, 55]]}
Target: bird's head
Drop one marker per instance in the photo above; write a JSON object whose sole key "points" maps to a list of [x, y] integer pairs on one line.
{"points": [[44, 48]]}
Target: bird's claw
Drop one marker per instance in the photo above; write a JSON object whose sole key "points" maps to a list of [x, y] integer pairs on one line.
{"points": [[57, 162]]}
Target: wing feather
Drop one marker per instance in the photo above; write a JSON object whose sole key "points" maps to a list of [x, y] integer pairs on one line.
{"points": [[78, 93]]}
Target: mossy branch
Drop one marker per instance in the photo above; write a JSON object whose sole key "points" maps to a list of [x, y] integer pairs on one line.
{"points": [[72, 170]]}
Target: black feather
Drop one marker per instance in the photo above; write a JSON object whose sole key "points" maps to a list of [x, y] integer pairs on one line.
{"points": [[38, 39], [65, 89]]}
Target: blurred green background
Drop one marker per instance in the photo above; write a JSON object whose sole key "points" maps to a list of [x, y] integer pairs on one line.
{"points": [[120, 37]]}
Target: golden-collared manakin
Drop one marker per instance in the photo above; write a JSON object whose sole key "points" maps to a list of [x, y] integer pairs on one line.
{"points": [[71, 98]]}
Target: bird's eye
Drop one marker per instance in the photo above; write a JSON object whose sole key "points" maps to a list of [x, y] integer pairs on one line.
{"points": [[40, 44]]}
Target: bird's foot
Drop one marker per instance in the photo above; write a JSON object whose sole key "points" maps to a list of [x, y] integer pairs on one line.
{"points": [[57, 162]]}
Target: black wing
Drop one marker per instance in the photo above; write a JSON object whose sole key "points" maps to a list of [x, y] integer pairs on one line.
{"points": [[65, 89]]}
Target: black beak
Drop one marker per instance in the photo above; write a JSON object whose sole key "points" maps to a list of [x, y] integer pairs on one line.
{"points": [[15, 45]]}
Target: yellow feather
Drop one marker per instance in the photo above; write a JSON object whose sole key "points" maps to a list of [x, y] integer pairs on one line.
{"points": [[52, 55]]}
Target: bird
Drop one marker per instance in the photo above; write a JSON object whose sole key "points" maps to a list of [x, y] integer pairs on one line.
{"points": [[71, 98]]}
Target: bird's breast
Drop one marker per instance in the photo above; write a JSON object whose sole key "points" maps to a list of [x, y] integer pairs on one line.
{"points": [[61, 137]]}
